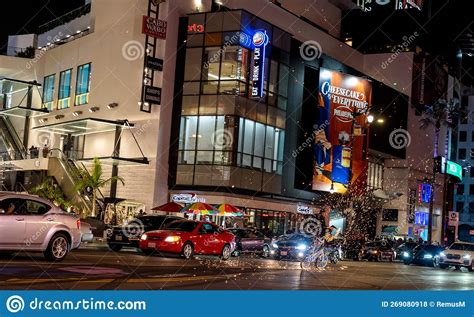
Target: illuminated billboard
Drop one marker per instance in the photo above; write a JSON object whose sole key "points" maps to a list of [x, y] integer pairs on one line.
{"points": [[339, 152]]}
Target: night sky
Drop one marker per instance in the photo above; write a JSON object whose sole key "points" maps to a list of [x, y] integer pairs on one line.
{"points": [[26, 15], [440, 27]]}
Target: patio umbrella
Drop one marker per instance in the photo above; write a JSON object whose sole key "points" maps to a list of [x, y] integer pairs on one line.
{"points": [[229, 210], [169, 207], [200, 209]]}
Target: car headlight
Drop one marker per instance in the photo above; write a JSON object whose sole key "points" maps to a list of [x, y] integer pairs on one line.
{"points": [[427, 256], [301, 247], [143, 237], [466, 256], [442, 254], [172, 239], [275, 245], [406, 254]]}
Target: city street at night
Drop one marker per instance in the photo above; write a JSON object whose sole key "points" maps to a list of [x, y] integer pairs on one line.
{"points": [[127, 270]]}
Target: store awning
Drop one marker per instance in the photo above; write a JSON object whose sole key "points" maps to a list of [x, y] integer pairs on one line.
{"points": [[115, 160], [390, 229], [22, 112], [83, 126]]}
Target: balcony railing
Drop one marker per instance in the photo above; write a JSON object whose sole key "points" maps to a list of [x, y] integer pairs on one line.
{"points": [[85, 9]]}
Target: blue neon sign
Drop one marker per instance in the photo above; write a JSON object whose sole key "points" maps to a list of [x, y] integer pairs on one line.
{"points": [[259, 41]]}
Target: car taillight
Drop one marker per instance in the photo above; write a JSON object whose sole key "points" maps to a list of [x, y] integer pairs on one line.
{"points": [[78, 222]]}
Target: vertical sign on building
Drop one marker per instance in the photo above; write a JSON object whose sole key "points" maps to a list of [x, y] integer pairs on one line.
{"points": [[260, 41], [411, 206]]}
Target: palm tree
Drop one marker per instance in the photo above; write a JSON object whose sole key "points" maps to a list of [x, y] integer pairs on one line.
{"points": [[48, 189], [441, 113], [94, 181]]}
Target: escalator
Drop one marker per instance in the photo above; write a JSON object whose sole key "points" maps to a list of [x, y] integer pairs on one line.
{"points": [[11, 146]]}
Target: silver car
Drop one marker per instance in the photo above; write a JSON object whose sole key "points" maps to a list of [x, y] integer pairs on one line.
{"points": [[31, 223]]}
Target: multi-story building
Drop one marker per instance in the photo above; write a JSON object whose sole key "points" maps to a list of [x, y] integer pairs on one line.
{"points": [[192, 111]]}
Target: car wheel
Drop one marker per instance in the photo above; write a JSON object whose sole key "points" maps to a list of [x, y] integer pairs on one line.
{"points": [[226, 251], [436, 261], [188, 251], [443, 266], [58, 248], [115, 247], [406, 262], [266, 251]]}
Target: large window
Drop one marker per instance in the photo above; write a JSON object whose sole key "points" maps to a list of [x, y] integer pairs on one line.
{"points": [[260, 146], [64, 95], [83, 84], [48, 91]]}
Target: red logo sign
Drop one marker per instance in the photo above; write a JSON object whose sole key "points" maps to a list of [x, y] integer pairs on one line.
{"points": [[195, 28], [154, 27]]}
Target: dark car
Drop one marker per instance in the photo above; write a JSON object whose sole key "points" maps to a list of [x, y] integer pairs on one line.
{"points": [[422, 255], [129, 235], [407, 246], [290, 246], [380, 250], [253, 241]]}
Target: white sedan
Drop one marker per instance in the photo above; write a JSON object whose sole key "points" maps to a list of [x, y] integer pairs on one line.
{"points": [[459, 254]]}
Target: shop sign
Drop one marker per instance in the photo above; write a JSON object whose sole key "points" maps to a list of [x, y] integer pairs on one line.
{"points": [[424, 193], [196, 28], [421, 218], [411, 206], [154, 63], [153, 95], [408, 4], [154, 27], [453, 218], [471, 232], [303, 209], [454, 169], [187, 198], [260, 41]]}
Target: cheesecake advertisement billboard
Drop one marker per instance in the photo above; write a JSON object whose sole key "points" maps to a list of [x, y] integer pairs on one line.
{"points": [[340, 140]]}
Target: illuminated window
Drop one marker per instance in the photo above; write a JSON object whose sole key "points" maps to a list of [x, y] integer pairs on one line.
{"points": [[83, 84], [48, 91], [64, 89]]}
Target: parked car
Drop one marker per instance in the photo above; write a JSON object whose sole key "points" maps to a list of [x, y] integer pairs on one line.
{"points": [[407, 246], [422, 255], [290, 246], [188, 237], [129, 235], [459, 254], [86, 232], [253, 241], [30, 223], [379, 250]]}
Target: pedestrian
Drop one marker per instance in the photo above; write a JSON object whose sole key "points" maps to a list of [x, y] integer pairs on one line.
{"points": [[45, 151]]}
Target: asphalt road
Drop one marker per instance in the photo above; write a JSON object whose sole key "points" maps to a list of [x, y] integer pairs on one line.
{"points": [[104, 270]]}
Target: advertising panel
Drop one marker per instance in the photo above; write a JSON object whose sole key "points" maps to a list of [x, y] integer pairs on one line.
{"points": [[339, 152]]}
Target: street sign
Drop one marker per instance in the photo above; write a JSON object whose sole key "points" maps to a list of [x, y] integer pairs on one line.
{"points": [[454, 169], [453, 218], [153, 95], [154, 63]]}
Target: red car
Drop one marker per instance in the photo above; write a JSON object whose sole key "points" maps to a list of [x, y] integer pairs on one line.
{"points": [[187, 237]]}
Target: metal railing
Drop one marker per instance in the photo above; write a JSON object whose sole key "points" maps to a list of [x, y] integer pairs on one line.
{"points": [[85, 9]]}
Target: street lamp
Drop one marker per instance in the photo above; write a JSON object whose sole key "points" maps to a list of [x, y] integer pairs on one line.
{"points": [[370, 118]]}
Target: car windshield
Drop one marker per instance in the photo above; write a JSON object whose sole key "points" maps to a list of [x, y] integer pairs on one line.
{"points": [[149, 221], [186, 226], [463, 247], [293, 237]]}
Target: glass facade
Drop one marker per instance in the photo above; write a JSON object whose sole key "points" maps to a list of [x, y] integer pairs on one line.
{"points": [[48, 91], [221, 123], [83, 84], [64, 89]]}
